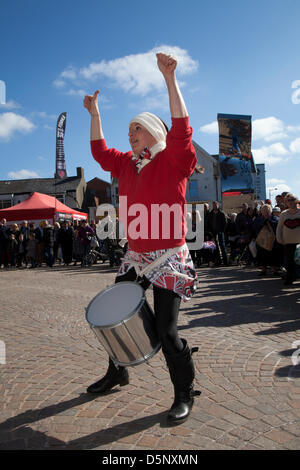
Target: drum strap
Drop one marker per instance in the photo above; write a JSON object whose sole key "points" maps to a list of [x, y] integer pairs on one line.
{"points": [[158, 261]]}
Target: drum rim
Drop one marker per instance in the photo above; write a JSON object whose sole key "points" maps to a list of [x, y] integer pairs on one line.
{"points": [[131, 314]]}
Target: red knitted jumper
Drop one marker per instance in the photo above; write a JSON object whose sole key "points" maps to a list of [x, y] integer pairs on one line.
{"points": [[144, 195]]}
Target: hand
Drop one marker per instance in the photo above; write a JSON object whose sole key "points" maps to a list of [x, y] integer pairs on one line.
{"points": [[90, 102], [166, 63]]}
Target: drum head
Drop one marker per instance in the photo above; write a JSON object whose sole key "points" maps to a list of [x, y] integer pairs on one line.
{"points": [[115, 304]]}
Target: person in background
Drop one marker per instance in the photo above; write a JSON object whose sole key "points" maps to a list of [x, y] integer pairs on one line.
{"points": [[3, 244], [232, 236], [14, 229], [288, 234], [31, 250], [278, 200], [265, 257], [56, 244], [208, 251], [12, 249], [243, 220], [38, 231], [48, 242], [24, 229], [21, 254], [206, 214], [65, 238], [283, 195], [84, 234], [276, 211], [217, 225]]}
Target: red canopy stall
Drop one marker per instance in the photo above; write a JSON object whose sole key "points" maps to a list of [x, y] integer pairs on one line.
{"points": [[40, 207]]}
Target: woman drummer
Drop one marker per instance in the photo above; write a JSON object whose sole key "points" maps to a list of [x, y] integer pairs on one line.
{"points": [[155, 173]]}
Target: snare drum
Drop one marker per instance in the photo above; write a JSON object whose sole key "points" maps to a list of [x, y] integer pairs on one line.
{"points": [[124, 323]]}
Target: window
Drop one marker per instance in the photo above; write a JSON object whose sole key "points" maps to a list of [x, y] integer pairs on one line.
{"points": [[193, 189], [5, 203]]}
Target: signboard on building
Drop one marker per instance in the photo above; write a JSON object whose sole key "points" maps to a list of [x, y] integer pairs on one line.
{"points": [[235, 157], [259, 180]]}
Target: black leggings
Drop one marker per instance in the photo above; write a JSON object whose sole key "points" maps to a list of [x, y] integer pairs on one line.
{"points": [[166, 309]]}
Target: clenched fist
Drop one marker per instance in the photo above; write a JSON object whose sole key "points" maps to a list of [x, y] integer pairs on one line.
{"points": [[166, 63]]}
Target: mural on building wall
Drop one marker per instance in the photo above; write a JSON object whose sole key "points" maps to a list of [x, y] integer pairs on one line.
{"points": [[236, 162], [236, 175]]}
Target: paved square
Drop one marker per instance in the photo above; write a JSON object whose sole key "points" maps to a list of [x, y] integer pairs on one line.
{"points": [[247, 331]]}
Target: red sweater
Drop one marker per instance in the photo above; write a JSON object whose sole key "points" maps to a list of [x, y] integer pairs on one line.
{"points": [[162, 181]]}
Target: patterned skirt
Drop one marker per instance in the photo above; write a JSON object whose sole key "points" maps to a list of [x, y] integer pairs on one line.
{"points": [[176, 272]]}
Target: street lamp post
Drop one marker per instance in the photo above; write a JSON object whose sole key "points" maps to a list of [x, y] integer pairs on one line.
{"points": [[271, 190]]}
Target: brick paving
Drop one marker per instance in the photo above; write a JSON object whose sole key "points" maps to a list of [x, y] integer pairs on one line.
{"points": [[246, 329]]}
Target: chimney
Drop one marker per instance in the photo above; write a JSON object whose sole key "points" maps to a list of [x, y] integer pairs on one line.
{"points": [[80, 172]]}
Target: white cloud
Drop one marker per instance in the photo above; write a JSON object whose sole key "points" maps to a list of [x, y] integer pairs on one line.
{"points": [[73, 92], [295, 146], [10, 105], [277, 185], [58, 83], [293, 128], [268, 129], [271, 154], [70, 72], [136, 73], [23, 174], [211, 128], [10, 123], [159, 101]]}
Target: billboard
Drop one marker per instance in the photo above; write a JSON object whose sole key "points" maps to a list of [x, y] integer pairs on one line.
{"points": [[235, 157]]}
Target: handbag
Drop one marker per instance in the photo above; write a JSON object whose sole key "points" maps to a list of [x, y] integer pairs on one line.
{"points": [[297, 255], [252, 248], [266, 237]]}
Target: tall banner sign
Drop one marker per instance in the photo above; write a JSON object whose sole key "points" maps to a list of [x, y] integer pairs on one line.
{"points": [[61, 171], [235, 157]]}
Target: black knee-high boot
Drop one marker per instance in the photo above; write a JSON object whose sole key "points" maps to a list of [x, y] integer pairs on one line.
{"points": [[182, 373], [115, 375]]}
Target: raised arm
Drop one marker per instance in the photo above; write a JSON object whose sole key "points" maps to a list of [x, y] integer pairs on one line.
{"points": [[90, 102], [167, 65]]}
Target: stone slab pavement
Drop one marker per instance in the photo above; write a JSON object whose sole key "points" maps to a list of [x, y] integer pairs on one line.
{"points": [[247, 331]]}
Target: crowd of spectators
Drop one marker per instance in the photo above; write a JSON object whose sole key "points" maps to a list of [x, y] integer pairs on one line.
{"points": [[261, 236], [31, 245]]}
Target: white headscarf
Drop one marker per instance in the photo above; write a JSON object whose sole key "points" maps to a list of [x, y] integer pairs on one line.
{"points": [[156, 128], [153, 124]]}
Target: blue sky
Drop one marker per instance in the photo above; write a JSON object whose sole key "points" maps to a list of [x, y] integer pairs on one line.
{"points": [[237, 57]]}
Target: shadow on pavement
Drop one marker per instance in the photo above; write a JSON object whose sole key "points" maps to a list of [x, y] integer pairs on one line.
{"points": [[24, 437], [235, 297]]}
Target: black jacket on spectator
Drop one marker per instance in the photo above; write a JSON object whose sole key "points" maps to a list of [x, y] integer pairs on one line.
{"points": [[48, 236], [242, 222], [216, 221]]}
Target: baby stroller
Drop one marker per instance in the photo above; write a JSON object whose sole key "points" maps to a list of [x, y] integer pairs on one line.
{"points": [[245, 257]]}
